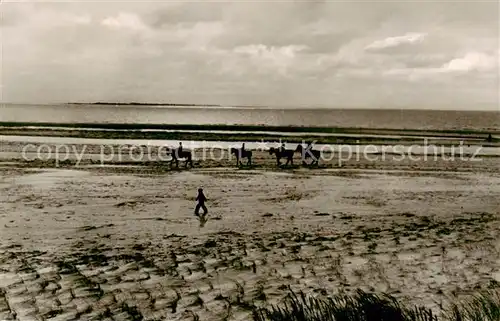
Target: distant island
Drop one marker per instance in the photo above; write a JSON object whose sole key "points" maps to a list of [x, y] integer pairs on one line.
{"points": [[167, 104], [143, 104]]}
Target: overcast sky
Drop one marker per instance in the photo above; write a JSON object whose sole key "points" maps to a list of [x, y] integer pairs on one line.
{"points": [[330, 53]]}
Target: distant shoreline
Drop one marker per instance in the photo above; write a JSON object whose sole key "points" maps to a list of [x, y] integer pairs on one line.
{"points": [[301, 107]]}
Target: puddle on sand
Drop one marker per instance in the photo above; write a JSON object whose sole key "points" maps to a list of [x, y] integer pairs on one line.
{"points": [[110, 166], [48, 178]]}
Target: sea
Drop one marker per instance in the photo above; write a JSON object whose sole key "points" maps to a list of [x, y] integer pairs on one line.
{"points": [[357, 118]]}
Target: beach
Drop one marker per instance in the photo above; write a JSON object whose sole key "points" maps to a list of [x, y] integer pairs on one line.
{"points": [[345, 154]]}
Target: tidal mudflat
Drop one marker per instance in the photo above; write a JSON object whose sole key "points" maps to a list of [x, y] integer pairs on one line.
{"points": [[105, 243]]}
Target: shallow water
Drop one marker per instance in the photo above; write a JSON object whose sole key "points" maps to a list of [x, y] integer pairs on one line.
{"points": [[367, 118], [277, 133], [48, 178], [107, 146]]}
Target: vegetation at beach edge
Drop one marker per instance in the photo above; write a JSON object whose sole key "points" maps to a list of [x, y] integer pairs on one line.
{"points": [[363, 306]]}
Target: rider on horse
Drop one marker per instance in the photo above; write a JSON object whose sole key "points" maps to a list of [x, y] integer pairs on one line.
{"points": [[309, 146], [306, 151], [282, 148], [178, 152]]}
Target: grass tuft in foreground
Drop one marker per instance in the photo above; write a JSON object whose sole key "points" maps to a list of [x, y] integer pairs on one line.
{"points": [[364, 306]]}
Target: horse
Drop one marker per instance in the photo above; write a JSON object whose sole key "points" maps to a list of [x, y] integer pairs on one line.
{"points": [[176, 154], [315, 155], [280, 153], [242, 154]]}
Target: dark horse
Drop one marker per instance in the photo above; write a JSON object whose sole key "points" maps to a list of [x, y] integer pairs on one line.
{"points": [[242, 154], [176, 154], [314, 155], [282, 153]]}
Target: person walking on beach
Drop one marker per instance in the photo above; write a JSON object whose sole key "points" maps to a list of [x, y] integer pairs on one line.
{"points": [[201, 203]]}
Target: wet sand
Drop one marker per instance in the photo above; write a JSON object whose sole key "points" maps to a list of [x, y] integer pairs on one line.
{"points": [[104, 242], [241, 133]]}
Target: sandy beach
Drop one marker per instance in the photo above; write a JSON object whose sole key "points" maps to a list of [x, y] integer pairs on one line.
{"points": [[122, 243], [348, 153]]}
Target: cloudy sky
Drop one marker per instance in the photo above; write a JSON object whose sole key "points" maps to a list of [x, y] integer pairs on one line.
{"points": [[397, 54]]}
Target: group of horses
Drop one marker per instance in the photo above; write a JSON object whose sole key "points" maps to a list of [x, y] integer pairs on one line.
{"points": [[240, 153], [287, 154]]}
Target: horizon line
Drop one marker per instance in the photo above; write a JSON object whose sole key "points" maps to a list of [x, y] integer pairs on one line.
{"points": [[276, 107]]}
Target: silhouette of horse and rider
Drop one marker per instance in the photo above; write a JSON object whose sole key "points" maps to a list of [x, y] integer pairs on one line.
{"points": [[180, 153], [282, 152], [307, 153]]}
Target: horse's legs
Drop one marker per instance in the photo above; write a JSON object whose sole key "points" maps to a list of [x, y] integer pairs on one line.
{"points": [[303, 157]]}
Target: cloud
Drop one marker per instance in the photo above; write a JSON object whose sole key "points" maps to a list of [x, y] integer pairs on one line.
{"points": [[472, 61], [265, 52], [124, 20], [174, 13], [278, 59], [390, 42], [243, 52]]}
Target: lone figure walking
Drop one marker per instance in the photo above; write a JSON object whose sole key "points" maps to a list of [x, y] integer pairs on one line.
{"points": [[201, 203]]}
